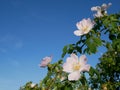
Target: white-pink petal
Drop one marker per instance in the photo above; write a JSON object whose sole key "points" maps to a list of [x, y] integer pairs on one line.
{"points": [[74, 76], [68, 67], [74, 56], [94, 9], [85, 68], [98, 14], [83, 60], [71, 60], [78, 32]]}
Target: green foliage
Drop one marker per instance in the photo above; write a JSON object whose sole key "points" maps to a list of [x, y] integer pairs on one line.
{"points": [[28, 87], [92, 44]]}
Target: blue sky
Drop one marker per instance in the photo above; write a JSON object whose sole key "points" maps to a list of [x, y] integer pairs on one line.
{"points": [[33, 29]]}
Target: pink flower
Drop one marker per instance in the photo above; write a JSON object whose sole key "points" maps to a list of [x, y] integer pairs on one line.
{"points": [[101, 10], [74, 66], [45, 61], [84, 27]]}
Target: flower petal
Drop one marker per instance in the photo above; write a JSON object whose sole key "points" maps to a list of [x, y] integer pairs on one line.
{"points": [[74, 56], [82, 60], [98, 14], [85, 68], [74, 76], [45, 61], [104, 6], [94, 9], [68, 67], [78, 32], [72, 59]]}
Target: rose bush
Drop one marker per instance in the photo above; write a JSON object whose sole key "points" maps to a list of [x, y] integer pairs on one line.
{"points": [[71, 75]]}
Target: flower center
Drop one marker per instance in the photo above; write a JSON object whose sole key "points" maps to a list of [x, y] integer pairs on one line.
{"points": [[85, 28], [76, 67]]}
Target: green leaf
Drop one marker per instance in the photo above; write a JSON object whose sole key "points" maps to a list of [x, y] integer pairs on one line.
{"points": [[68, 88], [64, 51]]}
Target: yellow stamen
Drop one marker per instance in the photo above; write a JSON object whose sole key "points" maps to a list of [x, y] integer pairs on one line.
{"points": [[76, 66], [85, 28]]}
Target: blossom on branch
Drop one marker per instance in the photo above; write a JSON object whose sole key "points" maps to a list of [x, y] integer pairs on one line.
{"points": [[45, 61], [32, 85], [74, 66], [101, 10], [84, 27]]}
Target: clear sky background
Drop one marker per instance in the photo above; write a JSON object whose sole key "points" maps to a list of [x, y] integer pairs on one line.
{"points": [[33, 29]]}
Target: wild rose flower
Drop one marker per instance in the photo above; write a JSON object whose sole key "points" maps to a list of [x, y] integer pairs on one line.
{"points": [[84, 27], [105, 6], [101, 10], [98, 14], [32, 85], [45, 61], [74, 66]]}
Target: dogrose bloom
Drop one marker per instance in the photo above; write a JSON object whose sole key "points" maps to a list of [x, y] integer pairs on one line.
{"points": [[101, 10], [74, 66], [45, 61], [32, 85], [84, 27]]}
